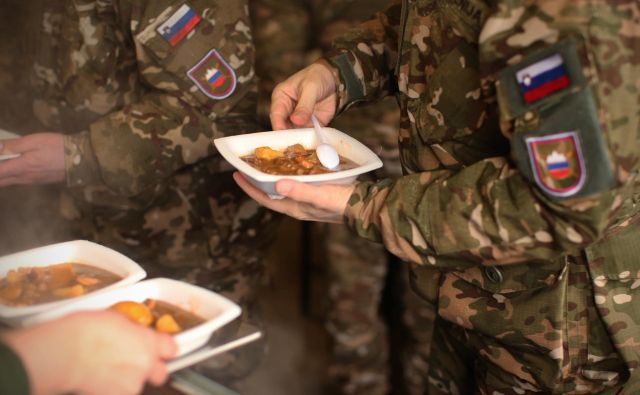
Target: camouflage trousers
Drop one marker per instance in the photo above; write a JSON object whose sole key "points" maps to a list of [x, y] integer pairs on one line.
{"points": [[359, 353], [362, 351], [209, 234], [418, 318]]}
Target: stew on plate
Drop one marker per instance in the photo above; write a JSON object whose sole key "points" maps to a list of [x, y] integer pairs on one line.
{"points": [[295, 160], [28, 286], [162, 316]]}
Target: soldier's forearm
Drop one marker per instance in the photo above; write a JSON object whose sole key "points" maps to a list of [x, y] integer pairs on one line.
{"points": [[444, 218], [134, 149]]}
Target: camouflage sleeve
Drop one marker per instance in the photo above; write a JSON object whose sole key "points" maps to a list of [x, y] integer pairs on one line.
{"points": [[281, 30], [486, 212], [192, 81], [573, 171], [366, 58]]}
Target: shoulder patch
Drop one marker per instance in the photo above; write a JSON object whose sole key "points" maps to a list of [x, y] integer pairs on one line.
{"points": [[541, 78], [557, 163], [176, 28], [558, 142], [213, 76]]}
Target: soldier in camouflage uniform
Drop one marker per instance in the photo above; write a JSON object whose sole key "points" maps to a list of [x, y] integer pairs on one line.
{"points": [[290, 35], [133, 94], [519, 214]]}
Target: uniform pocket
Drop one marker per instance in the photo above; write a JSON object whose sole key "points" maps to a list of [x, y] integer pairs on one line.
{"points": [[461, 294], [454, 104], [506, 308], [513, 278]]}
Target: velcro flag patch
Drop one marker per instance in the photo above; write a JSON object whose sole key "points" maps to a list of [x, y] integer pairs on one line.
{"points": [[183, 21], [543, 78]]}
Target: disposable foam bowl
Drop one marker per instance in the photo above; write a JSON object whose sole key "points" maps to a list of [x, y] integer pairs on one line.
{"points": [[215, 309], [233, 148], [78, 251]]}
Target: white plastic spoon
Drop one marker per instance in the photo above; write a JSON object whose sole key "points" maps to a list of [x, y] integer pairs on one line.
{"points": [[327, 155]]}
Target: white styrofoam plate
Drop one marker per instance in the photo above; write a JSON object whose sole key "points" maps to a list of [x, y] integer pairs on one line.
{"points": [[215, 309], [4, 134], [78, 251], [233, 148]]}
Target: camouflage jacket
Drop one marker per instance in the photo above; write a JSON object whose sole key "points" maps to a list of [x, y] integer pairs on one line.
{"points": [[519, 139], [139, 88]]}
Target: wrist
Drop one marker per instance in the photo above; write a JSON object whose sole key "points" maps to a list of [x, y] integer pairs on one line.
{"points": [[349, 85]]}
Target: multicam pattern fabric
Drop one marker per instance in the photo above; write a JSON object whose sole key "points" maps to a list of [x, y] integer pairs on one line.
{"points": [[142, 174], [534, 293]]}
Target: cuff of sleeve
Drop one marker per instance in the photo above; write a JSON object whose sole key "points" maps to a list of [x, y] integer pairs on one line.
{"points": [[362, 214], [13, 376], [350, 88], [80, 162]]}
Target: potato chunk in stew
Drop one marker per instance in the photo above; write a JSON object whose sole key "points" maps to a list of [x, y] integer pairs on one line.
{"points": [[162, 316], [266, 153]]}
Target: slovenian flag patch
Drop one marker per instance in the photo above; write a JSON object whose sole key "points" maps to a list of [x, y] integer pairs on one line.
{"points": [[543, 78], [179, 25]]}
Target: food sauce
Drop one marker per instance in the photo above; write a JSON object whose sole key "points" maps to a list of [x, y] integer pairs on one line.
{"points": [[295, 160], [28, 286], [162, 316]]}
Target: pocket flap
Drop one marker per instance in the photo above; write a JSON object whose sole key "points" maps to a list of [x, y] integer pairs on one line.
{"points": [[513, 278]]}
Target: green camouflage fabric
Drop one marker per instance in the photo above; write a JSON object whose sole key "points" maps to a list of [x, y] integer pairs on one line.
{"points": [[288, 36], [535, 294], [282, 36], [356, 273], [142, 173]]}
